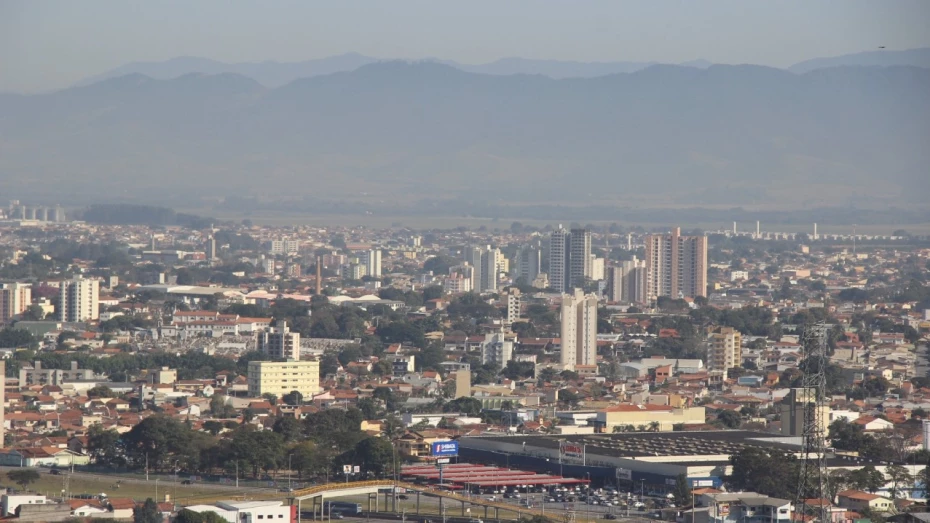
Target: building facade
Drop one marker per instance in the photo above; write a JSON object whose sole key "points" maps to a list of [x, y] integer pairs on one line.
{"points": [[579, 265], [279, 342], [676, 265], [559, 259], [496, 349], [282, 377], [484, 263], [79, 300], [579, 330], [726, 349], [527, 264], [372, 260], [15, 298]]}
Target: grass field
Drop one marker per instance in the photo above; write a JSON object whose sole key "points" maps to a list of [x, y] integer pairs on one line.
{"points": [[52, 486]]}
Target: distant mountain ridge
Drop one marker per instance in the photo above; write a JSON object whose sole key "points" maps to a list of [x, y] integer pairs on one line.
{"points": [[409, 133], [276, 74]]}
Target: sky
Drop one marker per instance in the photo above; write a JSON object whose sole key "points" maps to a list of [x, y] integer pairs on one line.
{"points": [[53, 44]]}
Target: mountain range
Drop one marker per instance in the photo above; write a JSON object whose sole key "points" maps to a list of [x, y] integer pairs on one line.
{"points": [[400, 134], [277, 74]]}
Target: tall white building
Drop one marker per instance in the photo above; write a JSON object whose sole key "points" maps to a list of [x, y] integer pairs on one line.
{"points": [[597, 268], [279, 342], [372, 260], [496, 348], [284, 246], [15, 298], [559, 259], [676, 265], [513, 305], [579, 329], [79, 300]]}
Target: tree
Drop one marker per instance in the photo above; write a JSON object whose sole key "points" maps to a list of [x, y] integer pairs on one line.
{"points": [[900, 478], [146, 513], [288, 427], [104, 446], [188, 516], [682, 491], [729, 419], [766, 471], [100, 391], [293, 398], [867, 478], [375, 455], [23, 477]]}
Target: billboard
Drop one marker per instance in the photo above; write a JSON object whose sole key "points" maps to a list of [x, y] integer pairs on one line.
{"points": [[571, 452], [626, 474], [444, 448]]}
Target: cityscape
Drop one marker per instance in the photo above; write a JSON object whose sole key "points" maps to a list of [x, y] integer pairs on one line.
{"points": [[477, 263]]}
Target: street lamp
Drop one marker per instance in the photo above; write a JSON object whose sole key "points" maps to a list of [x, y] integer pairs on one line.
{"points": [[642, 487]]}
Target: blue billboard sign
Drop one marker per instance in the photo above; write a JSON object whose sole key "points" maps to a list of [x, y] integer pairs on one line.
{"points": [[444, 448]]}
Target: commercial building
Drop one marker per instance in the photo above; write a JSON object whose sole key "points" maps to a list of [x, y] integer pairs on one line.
{"points": [[579, 329], [281, 377], [725, 349], [15, 298], [638, 416], [79, 300], [279, 342], [249, 511], [676, 265], [496, 348], [37, 375]]}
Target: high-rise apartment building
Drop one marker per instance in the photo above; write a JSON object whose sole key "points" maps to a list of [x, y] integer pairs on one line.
{"points": [[527, 264], [372, 260], [579, 329], [579, 257], [484, 260], [559, 259], [626, 282], [79, 300], [676, 265], [284, 246], [726, 349], [15, 298], [282, 377], [513, 305], [279, 342], [569, 258]]}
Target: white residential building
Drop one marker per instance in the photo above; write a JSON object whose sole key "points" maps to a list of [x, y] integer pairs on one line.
{"points": [[79, 300], [279, 342], [579, 329], [496, 349]]}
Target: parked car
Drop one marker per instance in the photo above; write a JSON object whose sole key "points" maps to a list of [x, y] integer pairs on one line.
{"points": [[187, 482], [475, 520], [610, 516], [403, 496], [337, 515], [55, 472]]}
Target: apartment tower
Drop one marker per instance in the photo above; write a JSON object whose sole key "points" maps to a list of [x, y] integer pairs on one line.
{"points": [[726, 349], [15, 298], [676, 265], [279, 342], [79, 300], [579, 329]]}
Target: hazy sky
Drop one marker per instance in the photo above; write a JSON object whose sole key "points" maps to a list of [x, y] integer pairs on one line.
{"points": [[52, 44]]}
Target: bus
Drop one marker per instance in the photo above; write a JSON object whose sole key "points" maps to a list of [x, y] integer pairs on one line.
{"points": [[343, 507]]}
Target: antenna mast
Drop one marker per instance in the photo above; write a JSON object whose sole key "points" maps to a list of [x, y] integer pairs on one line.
{"points": [[812, 470]]}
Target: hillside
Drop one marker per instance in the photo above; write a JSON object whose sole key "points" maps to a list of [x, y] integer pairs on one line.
{"points": [[725, 135]]}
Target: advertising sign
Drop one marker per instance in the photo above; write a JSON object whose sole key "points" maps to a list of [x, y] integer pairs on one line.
{"points": [[626, 474], [572, 452], [444, 448], [347, 469]]}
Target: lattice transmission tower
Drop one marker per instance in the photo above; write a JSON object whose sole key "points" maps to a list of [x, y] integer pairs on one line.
{"points": [[812, 467]]}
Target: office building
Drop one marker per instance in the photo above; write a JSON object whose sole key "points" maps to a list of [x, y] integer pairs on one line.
{"points": [[725, 349], [372, 261], [579, 329], [282, 377], [79, 300], [211, 248], [461, 279], [676, 265], [15, 298], [527, 265], [597, 268], [484, 261], [496, 348], [279, 342]]}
